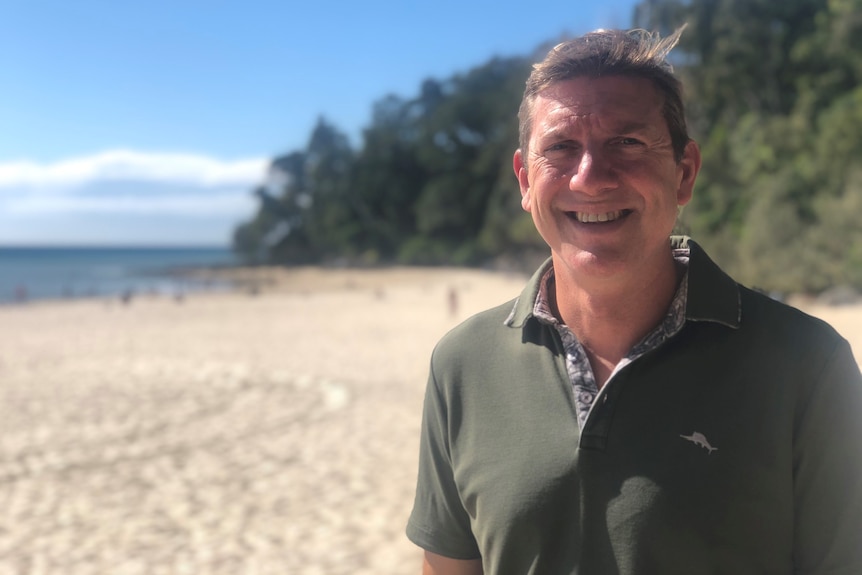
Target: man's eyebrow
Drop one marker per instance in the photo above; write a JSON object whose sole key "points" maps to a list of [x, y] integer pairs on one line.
{"points": [[633, 127], [554, 134]]}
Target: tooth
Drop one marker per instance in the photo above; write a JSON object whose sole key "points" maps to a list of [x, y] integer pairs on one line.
{"points": [[593, 218]]}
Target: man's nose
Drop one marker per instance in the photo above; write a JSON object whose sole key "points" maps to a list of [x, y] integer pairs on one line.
{"points": [[594, 174]]}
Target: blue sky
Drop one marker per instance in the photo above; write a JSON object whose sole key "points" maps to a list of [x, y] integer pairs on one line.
{"points": [[149, 122]]}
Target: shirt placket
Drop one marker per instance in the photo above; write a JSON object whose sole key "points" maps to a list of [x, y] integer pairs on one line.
{"points": [[578, 368]]}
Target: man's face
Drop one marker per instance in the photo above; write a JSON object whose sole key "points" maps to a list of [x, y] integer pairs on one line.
{"points": [[599, 177]]}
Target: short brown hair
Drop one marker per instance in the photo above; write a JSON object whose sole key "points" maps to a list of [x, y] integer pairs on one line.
{"points": [[636, 53]]}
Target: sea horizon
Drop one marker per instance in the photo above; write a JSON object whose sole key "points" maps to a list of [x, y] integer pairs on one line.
{"points": [[97, 245], [39, 272]]}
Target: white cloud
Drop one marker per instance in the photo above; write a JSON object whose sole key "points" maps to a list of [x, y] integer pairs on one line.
{"points": [[128, 196], [192, 169], [238, 203]]}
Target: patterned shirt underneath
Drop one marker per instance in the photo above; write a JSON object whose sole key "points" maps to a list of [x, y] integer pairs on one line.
{"points": [[578, 364]]}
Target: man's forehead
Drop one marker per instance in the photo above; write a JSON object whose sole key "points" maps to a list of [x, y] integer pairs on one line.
{"points": [[616, 99], [584, 95]]}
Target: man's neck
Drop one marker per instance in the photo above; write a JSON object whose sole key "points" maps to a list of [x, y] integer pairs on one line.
{"points": [[610, 316]]}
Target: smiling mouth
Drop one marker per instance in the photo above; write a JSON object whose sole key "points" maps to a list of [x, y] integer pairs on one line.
{"points": [[586, 218]]}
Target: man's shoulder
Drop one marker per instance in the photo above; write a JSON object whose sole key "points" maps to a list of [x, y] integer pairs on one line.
{"points": [[783, 321], [489, 328], [715, 297], [480, 330]]}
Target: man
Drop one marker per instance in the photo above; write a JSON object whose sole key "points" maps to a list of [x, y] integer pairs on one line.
{"points": [[634, 410]]}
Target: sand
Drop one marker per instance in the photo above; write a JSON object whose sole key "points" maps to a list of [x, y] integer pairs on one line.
{"points": [[272, 430]]}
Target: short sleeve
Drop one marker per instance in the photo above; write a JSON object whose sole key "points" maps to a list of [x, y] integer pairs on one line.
{"points": [[438, 522], [828, 471]]}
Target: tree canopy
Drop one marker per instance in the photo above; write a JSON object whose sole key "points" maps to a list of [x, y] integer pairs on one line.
{"points": [[774, 97]]}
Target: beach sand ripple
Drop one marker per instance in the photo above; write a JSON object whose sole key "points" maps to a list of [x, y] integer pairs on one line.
{"points": [[226, 434]]}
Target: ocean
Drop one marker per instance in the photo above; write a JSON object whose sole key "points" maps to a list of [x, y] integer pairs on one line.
{"points": [[33, 273]]}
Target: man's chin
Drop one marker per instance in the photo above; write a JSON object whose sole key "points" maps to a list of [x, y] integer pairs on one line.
{"points": [[591, 262]]}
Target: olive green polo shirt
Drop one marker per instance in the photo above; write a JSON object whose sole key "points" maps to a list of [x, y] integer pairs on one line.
{"points": [[733, 447]]}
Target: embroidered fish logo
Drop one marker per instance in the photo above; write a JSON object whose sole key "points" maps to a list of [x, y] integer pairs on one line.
{"points": [[699, 439]]}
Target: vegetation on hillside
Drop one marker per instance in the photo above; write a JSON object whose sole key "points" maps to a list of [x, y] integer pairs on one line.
{"points": [[774, 96]]}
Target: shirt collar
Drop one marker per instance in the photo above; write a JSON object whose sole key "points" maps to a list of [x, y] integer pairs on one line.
{"points": [[712, 294]]}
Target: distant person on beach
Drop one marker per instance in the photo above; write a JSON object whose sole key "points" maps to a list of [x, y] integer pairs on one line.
{"points": [[126, 296], [452, 297], [634, 410]]}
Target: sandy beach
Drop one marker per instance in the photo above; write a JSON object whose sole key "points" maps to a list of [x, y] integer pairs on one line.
{"points": [[271, 430]]}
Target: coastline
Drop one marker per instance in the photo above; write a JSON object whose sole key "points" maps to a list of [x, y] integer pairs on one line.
{"points": [[264, 430], [35, 273]]}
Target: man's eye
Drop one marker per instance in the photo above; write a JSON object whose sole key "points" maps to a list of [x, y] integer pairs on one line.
{"points": [[560, 147], [629, 141]]}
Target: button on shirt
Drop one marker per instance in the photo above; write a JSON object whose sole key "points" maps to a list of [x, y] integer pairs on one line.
{"points": [[578, 366]]}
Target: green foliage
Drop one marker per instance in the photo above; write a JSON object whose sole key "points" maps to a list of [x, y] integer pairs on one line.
{"points": [[426, 187], [774, 96]]}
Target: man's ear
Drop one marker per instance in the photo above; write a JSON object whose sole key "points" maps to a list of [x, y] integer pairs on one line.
{"points": [[520, 168], [689, 167]]}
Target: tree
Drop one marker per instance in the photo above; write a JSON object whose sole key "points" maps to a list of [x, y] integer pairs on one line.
{"points": [[770, 94]]}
